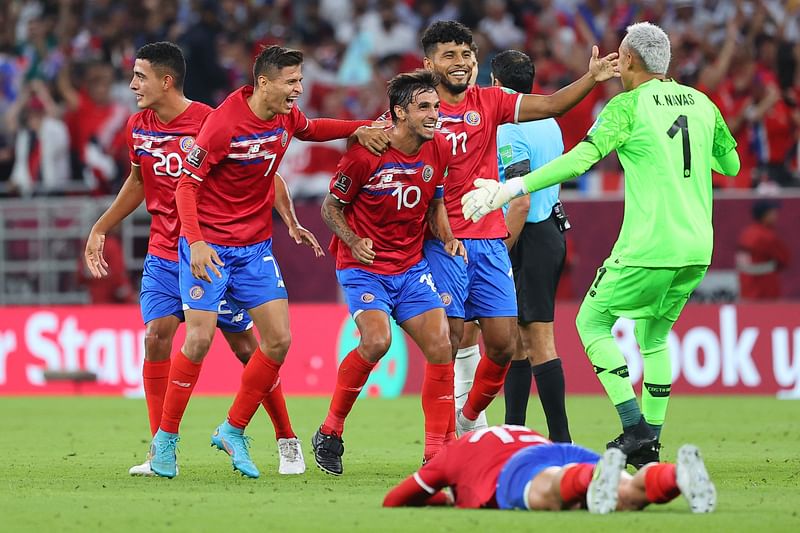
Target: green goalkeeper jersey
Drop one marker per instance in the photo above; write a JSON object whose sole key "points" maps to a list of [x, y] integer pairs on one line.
{"points": [[666, 135]]}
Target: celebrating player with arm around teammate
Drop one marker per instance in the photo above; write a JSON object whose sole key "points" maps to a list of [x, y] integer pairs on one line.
{"points": [[668, 137], [225, 201], [483, 289], [513, 467], [377, 209], [158, 139]]}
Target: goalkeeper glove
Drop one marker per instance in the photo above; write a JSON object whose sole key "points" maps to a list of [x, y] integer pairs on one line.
{"points": [[490, 195]]}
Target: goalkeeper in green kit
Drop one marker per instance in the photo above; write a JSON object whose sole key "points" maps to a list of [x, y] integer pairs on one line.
{"points": [[668, 137]]}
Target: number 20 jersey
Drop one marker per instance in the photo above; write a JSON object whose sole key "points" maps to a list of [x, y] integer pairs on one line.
{"points": [[158, 150]]}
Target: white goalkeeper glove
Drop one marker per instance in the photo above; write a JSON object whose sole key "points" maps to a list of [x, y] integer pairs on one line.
{"points": [[488, 196]]}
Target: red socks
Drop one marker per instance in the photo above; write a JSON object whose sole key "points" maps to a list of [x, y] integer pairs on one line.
{"points": [[660, 483], [352, 375], [575, 483], [489, 378], [182, 378], [259, 376], [275, 404], [155, 376], [437, 404]]}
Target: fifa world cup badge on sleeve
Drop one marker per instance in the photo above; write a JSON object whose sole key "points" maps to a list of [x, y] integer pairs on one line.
{"points": [[343, 183], [196, 156]]}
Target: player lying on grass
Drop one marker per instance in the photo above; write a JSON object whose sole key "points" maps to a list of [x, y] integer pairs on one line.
{"points": [[513, 467]]}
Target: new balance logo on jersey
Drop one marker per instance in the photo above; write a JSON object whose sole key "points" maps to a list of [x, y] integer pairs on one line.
{"points": [[254, 149], [343, 183]]}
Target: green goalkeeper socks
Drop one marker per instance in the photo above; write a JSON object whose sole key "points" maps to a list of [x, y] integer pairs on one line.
{"points": [[612, 371], [656, 386]]}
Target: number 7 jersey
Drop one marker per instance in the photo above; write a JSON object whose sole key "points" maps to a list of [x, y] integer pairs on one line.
{"points": [[666, 135], [158, 150]]}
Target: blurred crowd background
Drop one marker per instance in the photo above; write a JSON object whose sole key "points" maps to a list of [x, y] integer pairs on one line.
{"points": [[65, 67]]}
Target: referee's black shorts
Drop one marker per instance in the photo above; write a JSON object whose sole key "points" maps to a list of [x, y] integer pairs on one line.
{"points": [[537, 259]]}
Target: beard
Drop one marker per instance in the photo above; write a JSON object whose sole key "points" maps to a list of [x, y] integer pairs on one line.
{"points": [[453, 87]]}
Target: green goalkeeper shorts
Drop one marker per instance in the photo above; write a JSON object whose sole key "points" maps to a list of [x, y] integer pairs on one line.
{"points": [[642, 292]]}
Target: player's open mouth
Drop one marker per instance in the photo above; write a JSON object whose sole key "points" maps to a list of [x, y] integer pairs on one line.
{"points": [[429, 125], [291, 101], [459, 74]]}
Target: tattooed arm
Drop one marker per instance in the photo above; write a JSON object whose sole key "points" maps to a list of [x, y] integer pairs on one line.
{"points": [[437, 220], [333, 215]]}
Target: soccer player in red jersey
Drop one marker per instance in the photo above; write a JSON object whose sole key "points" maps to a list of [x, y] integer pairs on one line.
{"points": [[377, 209], [513, 467], [158, 138], [469, 116], [225, 201]]}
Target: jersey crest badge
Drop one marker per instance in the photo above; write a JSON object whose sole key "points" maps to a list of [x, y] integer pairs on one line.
{"points": [[427, 173], [196, 157], [367, 297], [343, 183], [473, 118], [186, 144], [284, 138], [196, 292], [446, 298]]}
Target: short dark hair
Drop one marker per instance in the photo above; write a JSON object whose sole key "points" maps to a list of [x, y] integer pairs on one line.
{"points": [[514, 70], [445, 31], [404, 87], [167, 56], [273, 58]]}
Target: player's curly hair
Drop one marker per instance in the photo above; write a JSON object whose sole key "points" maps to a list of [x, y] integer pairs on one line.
{"points": [[165, 56], [273, 58], [444, 31], [403, 88]]}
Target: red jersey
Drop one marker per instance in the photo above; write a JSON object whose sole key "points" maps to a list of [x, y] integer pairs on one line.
{"points": [[388, 199], [158, 150], [471, 465], [471, 129], [767, 256], [236, 155]]}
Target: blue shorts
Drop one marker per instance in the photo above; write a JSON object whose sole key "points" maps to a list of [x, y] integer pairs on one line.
{"points": [[250, 277], [450, 275], [481, 288], [161, 296], [401, 296], [515, 477]]}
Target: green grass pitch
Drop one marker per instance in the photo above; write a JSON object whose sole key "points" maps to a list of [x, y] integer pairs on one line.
{"points": [[66, 460]]}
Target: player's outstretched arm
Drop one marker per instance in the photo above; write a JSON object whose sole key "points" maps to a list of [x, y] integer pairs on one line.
{"points": [[129, 197], [436, 218], [333, 215], [409, 493], [285, 208], [374, 139], [490, 194], [727, 164], [536, 106]]}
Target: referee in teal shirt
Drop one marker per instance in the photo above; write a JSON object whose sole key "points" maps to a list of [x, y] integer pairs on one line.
{"points": [[537, 248]]}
